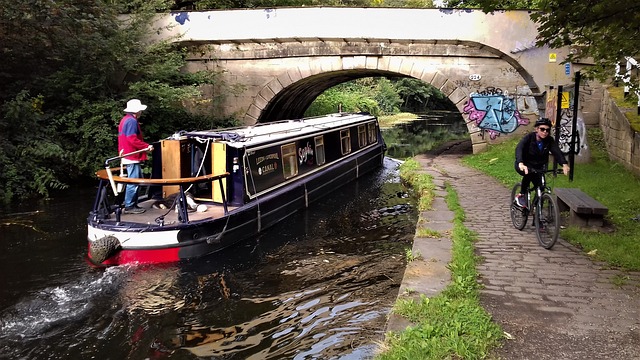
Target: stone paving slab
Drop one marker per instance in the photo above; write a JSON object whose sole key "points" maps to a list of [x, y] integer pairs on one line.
{"points": [[556, 304], [428, 274]]}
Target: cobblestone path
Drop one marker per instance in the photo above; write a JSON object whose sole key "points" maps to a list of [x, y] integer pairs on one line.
{"points": [[556, 304]]}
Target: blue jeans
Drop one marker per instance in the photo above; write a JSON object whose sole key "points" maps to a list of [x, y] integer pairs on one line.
{"points": [[134, 171]]}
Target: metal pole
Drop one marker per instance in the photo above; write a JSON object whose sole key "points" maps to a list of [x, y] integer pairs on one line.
{"points": [[558, 119], [574, 125], [627, 77]]}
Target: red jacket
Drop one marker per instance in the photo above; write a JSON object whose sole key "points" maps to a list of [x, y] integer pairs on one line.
{"points": [[130, 138]]}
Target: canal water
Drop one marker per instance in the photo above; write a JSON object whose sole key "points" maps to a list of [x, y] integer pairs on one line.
{"points": [[318, 285]]}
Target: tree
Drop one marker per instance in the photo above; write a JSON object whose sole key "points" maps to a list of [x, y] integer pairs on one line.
{"points": [[605, 31], [418, 96], [599, 31], [68, 68], [491, 5], [351, 96]]}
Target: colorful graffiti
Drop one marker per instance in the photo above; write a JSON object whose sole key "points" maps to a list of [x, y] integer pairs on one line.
{"points": [[564, 135], [494, 111], [564, 130]]}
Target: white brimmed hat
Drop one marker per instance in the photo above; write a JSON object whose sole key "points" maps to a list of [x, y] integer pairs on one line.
{"points": [[134, 106]]}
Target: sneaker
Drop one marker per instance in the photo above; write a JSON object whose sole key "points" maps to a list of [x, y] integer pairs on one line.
{"points": [[134, 210], [521, 201]]}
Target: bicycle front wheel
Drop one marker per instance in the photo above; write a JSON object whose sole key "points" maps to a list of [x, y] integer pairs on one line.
{"points": [[518, 214], [547, 221]]}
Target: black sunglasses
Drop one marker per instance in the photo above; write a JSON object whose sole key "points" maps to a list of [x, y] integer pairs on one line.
{"points": [[544, 129]]}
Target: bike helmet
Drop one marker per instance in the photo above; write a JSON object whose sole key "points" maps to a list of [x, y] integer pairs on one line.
{"points": [[543, 121]]}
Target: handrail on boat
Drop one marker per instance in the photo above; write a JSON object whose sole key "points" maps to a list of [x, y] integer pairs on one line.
{"points": [[106, 174], [103, 174], [106, 162]]}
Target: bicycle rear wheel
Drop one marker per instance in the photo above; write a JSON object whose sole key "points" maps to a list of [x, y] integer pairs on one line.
{"points": [[518, 214], [547, 221]]}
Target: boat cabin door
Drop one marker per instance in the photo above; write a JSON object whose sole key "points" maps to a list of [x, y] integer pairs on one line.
{"points": [[218, 166]]}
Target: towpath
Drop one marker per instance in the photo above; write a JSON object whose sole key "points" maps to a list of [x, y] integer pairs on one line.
{"points": [[556, 304]]}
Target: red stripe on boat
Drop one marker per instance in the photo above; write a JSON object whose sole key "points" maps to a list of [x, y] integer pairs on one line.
{"points": [[155, 256]]}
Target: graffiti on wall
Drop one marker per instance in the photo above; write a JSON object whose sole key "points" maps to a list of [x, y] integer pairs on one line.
{"points": [[494, 111], [565, 128], [564, 135]]}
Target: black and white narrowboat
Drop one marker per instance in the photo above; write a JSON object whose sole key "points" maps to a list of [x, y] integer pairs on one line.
{"points": [[211, 189]]}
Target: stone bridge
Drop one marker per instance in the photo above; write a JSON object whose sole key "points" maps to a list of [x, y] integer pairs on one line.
{"points": [[279, 60]]}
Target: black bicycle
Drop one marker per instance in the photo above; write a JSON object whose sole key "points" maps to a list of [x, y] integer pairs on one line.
{"points": [[546, 216]]}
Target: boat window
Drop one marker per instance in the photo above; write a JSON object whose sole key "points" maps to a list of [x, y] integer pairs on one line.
{"points": [[320, 159], [289, 160], [362, 136], [345, 141], [372, 133]]}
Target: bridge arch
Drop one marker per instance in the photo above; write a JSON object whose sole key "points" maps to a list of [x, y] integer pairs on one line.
{"points": [[446, 66], [274, 54]]}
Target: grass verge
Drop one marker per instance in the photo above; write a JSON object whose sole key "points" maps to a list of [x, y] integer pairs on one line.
{"points": [[451, 324], [421, 183], [604, 180]]}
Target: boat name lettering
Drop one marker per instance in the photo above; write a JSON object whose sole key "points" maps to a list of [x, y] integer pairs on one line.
{"points": [[305, 153], [263, 170], [261, 159]]}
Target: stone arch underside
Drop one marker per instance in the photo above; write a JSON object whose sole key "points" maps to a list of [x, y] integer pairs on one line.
{"points": [[293, 100]]}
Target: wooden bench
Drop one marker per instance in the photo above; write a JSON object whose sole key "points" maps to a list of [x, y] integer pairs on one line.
{"points": [[584, 210]]}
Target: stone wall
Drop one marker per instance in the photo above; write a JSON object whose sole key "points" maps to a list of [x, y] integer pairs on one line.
{"points": [[623, 143]]}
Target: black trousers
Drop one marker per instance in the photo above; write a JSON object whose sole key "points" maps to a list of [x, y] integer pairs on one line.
{"points": [[527, 179]]}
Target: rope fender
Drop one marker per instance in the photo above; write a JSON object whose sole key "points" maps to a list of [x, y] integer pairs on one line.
{"points": [[103, 248]]}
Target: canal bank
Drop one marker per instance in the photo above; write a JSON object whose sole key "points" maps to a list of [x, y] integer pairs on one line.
{"points": [[556, 304], [427, 273]]}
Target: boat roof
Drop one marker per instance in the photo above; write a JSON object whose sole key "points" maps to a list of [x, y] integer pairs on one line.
{"points": [[279, 130]]}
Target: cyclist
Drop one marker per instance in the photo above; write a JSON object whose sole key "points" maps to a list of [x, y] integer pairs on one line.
{"points": [[533, 152]]}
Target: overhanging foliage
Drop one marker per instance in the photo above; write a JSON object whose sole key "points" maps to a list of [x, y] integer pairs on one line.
{"points": [[601, 33], [69, 66]]}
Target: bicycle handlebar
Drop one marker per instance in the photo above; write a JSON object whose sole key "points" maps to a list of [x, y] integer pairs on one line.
{"points": [[538, 171]]}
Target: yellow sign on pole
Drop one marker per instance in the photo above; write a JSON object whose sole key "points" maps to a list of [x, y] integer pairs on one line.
{"points": [[565, 100], [553, 57]]}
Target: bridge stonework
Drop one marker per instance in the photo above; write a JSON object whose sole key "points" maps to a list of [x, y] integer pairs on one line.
{"points": [[279, 60]]}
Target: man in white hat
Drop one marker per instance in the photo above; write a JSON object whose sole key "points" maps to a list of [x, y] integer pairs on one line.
{"points": [[129, 141]]}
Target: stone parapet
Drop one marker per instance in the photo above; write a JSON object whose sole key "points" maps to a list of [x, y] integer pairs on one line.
{"points": [[623, 143]]}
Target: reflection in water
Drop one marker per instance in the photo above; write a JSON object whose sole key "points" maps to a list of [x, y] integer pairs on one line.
{"points": [[152, 291], [324, 292], [318, 285], [418, 137], [295, 321], [343, 305]]}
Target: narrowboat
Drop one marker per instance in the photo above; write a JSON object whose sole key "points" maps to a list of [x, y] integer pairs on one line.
{"points": [[211, 189]]}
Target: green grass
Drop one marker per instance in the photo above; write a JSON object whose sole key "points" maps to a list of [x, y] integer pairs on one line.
{"points": [[428, 233], [411, 256], [629, 105], [452, 324], [604, 180], [421, 183]]}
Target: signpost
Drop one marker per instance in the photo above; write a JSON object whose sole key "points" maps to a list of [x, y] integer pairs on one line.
{"points": [[574, 125]]}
